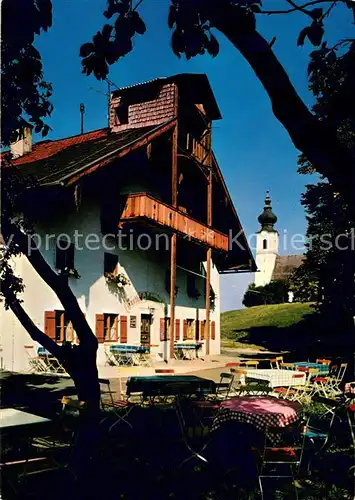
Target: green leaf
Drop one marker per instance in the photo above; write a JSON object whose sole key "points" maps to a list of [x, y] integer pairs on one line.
{"points": [[86, 49], [213, 46], [177, 42], [316, 13], [315, 33], [302, 36], [138, 23], [172, 16]]}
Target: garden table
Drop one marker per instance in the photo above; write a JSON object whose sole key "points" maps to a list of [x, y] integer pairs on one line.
{"points": [[169, 385], [322, 368], [188, 350], [261, 412], [11, 418], [18, 425], [124, 354], [277, 378]]}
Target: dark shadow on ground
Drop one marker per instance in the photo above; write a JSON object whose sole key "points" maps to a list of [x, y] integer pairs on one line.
{"points": [[38, 394], [313, 337]]}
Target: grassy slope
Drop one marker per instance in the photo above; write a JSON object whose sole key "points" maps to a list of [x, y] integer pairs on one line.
{"points": [[235, 324]]}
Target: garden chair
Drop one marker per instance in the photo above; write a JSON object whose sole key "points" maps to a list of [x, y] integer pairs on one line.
{"points": [[317, 431], [249, 387], [120, 408], [185, 427], [304, 393], [224, 387], [251, 364], [37, 365], [287, 366], [206, 409], [329, 386], [294, 392], [281, 461], [275, 362], [323, 361]]}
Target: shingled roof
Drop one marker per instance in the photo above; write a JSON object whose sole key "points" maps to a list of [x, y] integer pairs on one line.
{"points": [[285, 265], [58, 162]]}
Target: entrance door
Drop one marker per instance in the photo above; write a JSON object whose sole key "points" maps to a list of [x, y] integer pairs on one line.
{"points": [[145, 329]]}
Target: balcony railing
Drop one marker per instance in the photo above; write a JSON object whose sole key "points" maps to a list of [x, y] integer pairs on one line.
{"points": [[143, 206]]}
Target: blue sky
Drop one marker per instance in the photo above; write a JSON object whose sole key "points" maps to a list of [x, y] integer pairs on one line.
{"points": [[253, 150]]}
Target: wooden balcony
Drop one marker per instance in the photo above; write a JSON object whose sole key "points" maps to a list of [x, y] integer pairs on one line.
{"points": [[142, 206]]}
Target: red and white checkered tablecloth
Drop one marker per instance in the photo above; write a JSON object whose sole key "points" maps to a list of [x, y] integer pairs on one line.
{"points": [[349, 388], [262, 412]]}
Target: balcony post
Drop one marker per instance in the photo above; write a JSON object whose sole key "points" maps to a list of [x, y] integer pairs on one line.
{"points": [[209, 257], [173, 244]]}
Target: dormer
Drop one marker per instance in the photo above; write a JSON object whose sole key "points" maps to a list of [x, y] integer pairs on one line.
{"points": [[159, 100]]}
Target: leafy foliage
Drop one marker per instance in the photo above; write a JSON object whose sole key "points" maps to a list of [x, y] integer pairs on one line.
{"points": [[24, 93], [275, 292], [329, 268], [114, 41]]}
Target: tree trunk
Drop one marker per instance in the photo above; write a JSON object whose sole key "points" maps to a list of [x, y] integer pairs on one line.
{"points": [[311, 136]]}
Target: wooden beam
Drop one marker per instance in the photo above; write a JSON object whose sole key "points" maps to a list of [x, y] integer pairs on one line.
{"points": [[115, 155], [173, 242], [209, 255], [172, 294]]}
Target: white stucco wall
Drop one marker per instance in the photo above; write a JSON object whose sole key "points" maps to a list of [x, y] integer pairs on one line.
{"points": [[266, 258], [143, 269]]}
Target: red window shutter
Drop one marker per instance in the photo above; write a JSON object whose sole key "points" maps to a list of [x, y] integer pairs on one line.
{"points": [[202, 330], [167, 328], [123, 329], [213, 330], [49, 324], [177, 329], [100, 328], [197, 329], [185, 330], [162, 329]]}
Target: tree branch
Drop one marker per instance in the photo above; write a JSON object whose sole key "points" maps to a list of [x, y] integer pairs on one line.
{"points": [[35, 333], [314, 138], [56, 282], [288, 11]]}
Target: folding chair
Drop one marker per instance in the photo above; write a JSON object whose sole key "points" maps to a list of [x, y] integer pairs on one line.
{"points": [[317, 430], [206, 409], [224, 387], [329, 386], [275, 362], [251, 364], [37, 365], [323, 361], [281, 461], [120, 408], [184, 429], [301, 393]]}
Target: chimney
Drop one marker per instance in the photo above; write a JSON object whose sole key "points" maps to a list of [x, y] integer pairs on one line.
{"points": [[23, 145]]}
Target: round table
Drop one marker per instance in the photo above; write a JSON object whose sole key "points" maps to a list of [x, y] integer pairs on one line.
{"points": [[261, 412]]}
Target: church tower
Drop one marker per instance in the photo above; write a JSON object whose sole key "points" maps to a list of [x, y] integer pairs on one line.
{"points": [[267, 244]]}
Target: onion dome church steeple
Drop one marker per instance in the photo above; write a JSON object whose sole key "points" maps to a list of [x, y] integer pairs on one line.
{"points": [[267, 218]]}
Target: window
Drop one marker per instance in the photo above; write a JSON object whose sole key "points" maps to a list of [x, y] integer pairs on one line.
{"points": [[264, 244], [133, 322], [191, 287], [190, 329], [110, 327], [110, 263], [64, 255], [63, 328], [122, 114]]}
